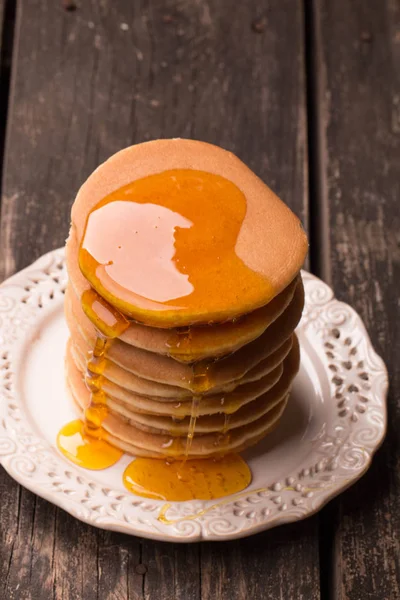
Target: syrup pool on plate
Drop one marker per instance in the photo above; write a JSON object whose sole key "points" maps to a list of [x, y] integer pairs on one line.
{"points": [[201, 479], [85, 450]]}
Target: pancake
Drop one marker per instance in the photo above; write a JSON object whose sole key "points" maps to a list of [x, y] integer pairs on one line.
{"points": [[124, 384], [137, 442], [265, 252], [243, 439], [244, 411], [164, 369], [189, 345], [226, 402]]}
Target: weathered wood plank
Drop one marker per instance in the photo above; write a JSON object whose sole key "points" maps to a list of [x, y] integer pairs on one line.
{"points": [[2, 5], [86, 83], [360, 136], [7, 19], [280, 563]]}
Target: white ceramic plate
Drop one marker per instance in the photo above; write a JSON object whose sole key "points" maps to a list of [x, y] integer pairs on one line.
{"points": [[335, 420]]}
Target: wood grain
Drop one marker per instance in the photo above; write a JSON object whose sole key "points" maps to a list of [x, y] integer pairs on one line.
{"points": [[5, 51], [249, 568], [2, 5], [86, 83], [359, 85]]}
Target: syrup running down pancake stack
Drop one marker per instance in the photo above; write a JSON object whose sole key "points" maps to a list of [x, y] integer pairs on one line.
{"points": [[184, 293]]}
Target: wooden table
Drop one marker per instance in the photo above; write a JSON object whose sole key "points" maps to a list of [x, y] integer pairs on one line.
{"points": [[308, 95]]}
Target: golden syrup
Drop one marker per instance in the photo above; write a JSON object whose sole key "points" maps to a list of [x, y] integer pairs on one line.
{"points": [[201, 479], [192, 425], [200, 383], [162, 250], [108, 321], [226, 423], [180, 344], [231, 406], [186, 343], [83, 442], [201, 380], [96, 411], [89, 452]]}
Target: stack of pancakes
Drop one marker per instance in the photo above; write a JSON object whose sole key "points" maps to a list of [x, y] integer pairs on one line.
{"points": [[226, 375]]}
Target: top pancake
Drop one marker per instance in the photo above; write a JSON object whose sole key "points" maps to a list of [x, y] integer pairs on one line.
{"points": [[265, 244], [192, 344]]}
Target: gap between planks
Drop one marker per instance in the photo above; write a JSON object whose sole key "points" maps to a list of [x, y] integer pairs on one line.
{"points": [[318, 195], [319, 255]]}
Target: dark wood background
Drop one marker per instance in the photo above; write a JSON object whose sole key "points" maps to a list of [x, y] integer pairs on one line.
{"points": [[308, 94]]}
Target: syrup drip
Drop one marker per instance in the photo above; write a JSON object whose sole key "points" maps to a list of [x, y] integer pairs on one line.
{"points": [[96, 412], [226, 423], [192, 425], [83, 442], [108, 321], [201, 381], [181, 345]]}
